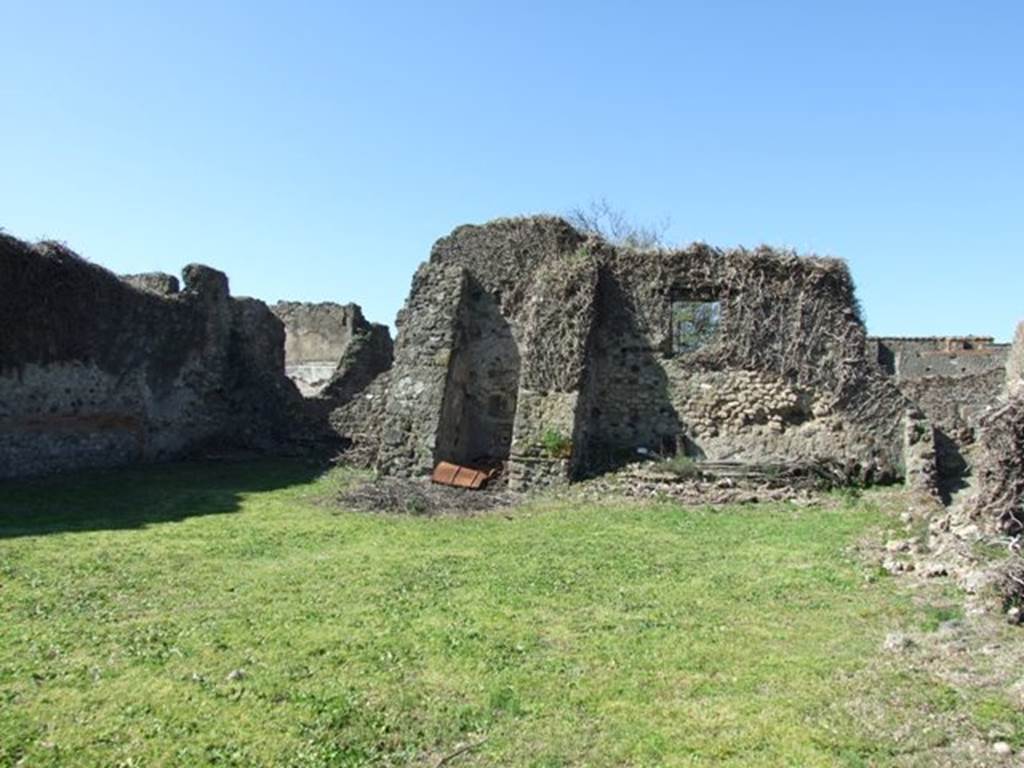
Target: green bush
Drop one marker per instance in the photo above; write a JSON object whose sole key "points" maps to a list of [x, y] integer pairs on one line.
{"points": [[556, 445]]}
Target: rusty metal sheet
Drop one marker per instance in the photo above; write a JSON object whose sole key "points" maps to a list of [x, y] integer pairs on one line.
{"points": [[446, 473]]}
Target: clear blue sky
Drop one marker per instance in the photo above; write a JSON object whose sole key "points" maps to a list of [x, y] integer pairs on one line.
{"points": [[315, 150]]}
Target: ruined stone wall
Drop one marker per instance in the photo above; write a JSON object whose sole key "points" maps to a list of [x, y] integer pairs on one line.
{"points": [[914, 358], [317, 337], [1015, 363], [466, 365], [483, 381], [783, 378], [339, 362], [156, 282], [100, 371], [576, 337], [1000, 468], [1000, 501], [955, 406], [417, 383], [369, 354], [358, 422], [953, 380]]}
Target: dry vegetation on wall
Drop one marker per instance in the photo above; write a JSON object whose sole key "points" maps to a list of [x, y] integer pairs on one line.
{"points": [[559, 317], [591, 323], [1001, 468], [791, 319], [57, 306], [766, 331], [792, 315]]}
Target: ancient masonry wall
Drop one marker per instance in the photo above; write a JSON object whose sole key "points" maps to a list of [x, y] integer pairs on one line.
{"points": [[318, 336], [952, 356], [100, 371], [339, 361], [953, 380], [530, 324], [1000, 500], [1015, 363]]}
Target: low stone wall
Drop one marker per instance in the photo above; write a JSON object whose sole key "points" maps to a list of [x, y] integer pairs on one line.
{"points": [[100, 371]]}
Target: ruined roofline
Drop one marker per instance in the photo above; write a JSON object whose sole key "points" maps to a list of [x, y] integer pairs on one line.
{"points": [[195, 277], [943, 345], [987, 340], [292, 311], [598, 244], [286, 304], [159, 285]]}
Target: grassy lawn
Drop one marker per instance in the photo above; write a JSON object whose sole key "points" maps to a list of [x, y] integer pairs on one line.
{"points": [[224, 615]]}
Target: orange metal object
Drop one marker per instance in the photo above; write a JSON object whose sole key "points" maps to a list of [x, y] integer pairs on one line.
{"points": [[458, 476]]}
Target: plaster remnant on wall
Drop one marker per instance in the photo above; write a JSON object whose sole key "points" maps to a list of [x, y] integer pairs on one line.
{"points": [[318, 338]]}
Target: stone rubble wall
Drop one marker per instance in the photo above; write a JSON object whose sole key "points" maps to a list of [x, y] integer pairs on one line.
{"points": [[1000, 501], [523, 342], [318, 336], [339, 362], [368, 355], [100, 371], [156, 282], [558, 319], [953, 381], [955, 405], [786, 377], [1000, 468], [920, 451], [1015, 363], [916, 358], [423, 351], [358, 420]]}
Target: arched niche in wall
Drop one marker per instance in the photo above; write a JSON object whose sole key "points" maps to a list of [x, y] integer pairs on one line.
{"points": [[479, 407]]}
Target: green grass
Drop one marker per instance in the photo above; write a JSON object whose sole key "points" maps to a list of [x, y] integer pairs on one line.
{"points": [[996, 716], [934, 616], [552, 635]]}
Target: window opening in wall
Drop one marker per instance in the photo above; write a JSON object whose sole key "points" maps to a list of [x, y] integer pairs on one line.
{"points": [[694, 324]]}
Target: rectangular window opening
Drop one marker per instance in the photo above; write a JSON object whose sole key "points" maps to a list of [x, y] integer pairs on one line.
{"points": [[694, 324]]}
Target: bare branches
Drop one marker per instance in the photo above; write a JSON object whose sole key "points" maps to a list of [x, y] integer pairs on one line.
{"points": [[612, 224]]}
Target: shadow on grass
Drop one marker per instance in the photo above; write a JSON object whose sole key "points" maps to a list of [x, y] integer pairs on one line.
{"points": [[134, 497]]}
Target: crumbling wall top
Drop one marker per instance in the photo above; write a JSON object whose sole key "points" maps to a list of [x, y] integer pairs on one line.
{"points": [[96, 370], [156, 282], [318, 332], [1015, 363]]}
